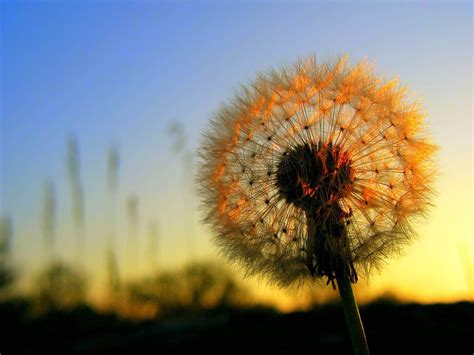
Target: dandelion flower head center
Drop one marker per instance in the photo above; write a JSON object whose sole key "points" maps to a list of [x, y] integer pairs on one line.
{"points": [[313, 176]]}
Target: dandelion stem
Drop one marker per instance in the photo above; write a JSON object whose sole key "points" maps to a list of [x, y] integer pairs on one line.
{"points": [[351, 310]]}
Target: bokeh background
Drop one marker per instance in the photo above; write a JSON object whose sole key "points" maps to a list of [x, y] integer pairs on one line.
{"points": [[102, 108]]}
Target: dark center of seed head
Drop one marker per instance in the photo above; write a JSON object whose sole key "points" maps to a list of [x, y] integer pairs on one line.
{"points": [[315, 178], [312, 176]]}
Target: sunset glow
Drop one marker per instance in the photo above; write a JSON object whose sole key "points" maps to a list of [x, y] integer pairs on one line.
{"points": [[117, 75]]}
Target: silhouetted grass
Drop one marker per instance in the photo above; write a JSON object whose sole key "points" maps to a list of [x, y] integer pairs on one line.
{"points": [[391, 327]]}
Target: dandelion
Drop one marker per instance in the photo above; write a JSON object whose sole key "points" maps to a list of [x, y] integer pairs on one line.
{"points": [[316, 171]]}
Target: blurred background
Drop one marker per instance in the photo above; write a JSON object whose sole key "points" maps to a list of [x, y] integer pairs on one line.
{"points": [[102, 108]]}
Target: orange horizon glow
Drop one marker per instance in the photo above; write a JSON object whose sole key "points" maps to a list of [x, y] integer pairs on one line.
{"points": [[126, 78]]}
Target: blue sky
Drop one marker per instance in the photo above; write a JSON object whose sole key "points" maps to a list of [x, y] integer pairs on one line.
{"points": [[119, 72]]}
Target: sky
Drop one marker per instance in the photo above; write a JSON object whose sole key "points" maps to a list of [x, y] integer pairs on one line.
{"points": [[118, 72]]}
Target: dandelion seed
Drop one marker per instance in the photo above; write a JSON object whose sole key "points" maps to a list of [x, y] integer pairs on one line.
{"points": [[353, 170]]}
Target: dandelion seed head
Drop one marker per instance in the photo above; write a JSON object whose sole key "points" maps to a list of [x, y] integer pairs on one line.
{"points": [[314, 169]]}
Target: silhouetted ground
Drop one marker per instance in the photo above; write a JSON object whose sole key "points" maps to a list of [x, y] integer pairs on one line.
{"points": [[391, 329]]}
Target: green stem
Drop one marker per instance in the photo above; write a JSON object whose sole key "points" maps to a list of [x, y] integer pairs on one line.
{"points": [[354, 323]]}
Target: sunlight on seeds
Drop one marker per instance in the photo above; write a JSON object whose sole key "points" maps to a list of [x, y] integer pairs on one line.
{"points": [[313, 161]]}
